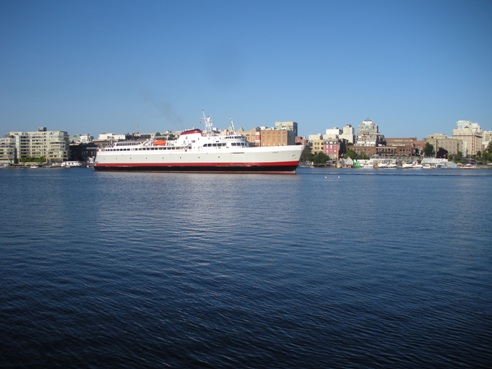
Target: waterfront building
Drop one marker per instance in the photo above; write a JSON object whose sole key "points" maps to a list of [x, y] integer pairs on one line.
{"points": [[471, 135], [277, 137], [330, 147], [441, 141], [7, 150], [316, 145], [83, 151], [53, 146], [364, 150], [403, 146]]}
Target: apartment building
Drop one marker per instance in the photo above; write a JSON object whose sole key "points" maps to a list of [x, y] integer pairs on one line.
{"points": [[329, 146], [7, 150], [471, 135], [440, 141], [53, 146], [368, 134]]}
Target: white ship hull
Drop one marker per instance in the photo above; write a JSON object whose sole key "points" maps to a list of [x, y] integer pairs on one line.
{"points": [[281, 159]]}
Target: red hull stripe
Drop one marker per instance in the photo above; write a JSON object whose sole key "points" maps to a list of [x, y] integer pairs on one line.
{"points": [[201, 165]]}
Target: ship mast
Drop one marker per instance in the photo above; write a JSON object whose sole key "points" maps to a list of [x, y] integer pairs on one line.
{"points": [[208, 122]]}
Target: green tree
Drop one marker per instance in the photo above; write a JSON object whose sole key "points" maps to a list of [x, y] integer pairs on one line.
{"points": [[456, 157], [351, 154], [489, 148], [320, 159], [32, 160], [429, 149], [307, 155]]}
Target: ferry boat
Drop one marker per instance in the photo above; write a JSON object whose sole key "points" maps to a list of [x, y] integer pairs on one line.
{"points": [[195, 150]]}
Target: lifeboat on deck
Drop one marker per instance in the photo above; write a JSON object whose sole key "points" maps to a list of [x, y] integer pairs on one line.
{"points": [[159, 142]]}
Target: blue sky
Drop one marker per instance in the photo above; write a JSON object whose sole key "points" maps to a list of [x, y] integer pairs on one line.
{"points": [[414, 67]]}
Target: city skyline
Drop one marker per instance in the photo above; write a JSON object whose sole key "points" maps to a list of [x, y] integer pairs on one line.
{"points": [[355, 128], [415, 68]]}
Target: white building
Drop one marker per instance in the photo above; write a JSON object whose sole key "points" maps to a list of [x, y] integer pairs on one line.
{"points": [[78, 138], [332, 133], [348, 133], [7, 150], [53, 146], [368, 134], [111, 137]]}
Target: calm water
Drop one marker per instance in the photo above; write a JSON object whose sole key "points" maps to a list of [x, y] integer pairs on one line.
{"points": [[323, 269]]}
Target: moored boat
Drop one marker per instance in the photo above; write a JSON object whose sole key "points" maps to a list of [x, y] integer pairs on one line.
{"points": [[199, 151], [413, 165]]}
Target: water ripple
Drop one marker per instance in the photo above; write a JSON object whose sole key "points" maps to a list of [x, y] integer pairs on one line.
{"points": [[225, 271]]}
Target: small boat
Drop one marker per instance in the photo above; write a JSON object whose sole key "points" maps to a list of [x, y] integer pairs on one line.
{"points": [[413, 165]]}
